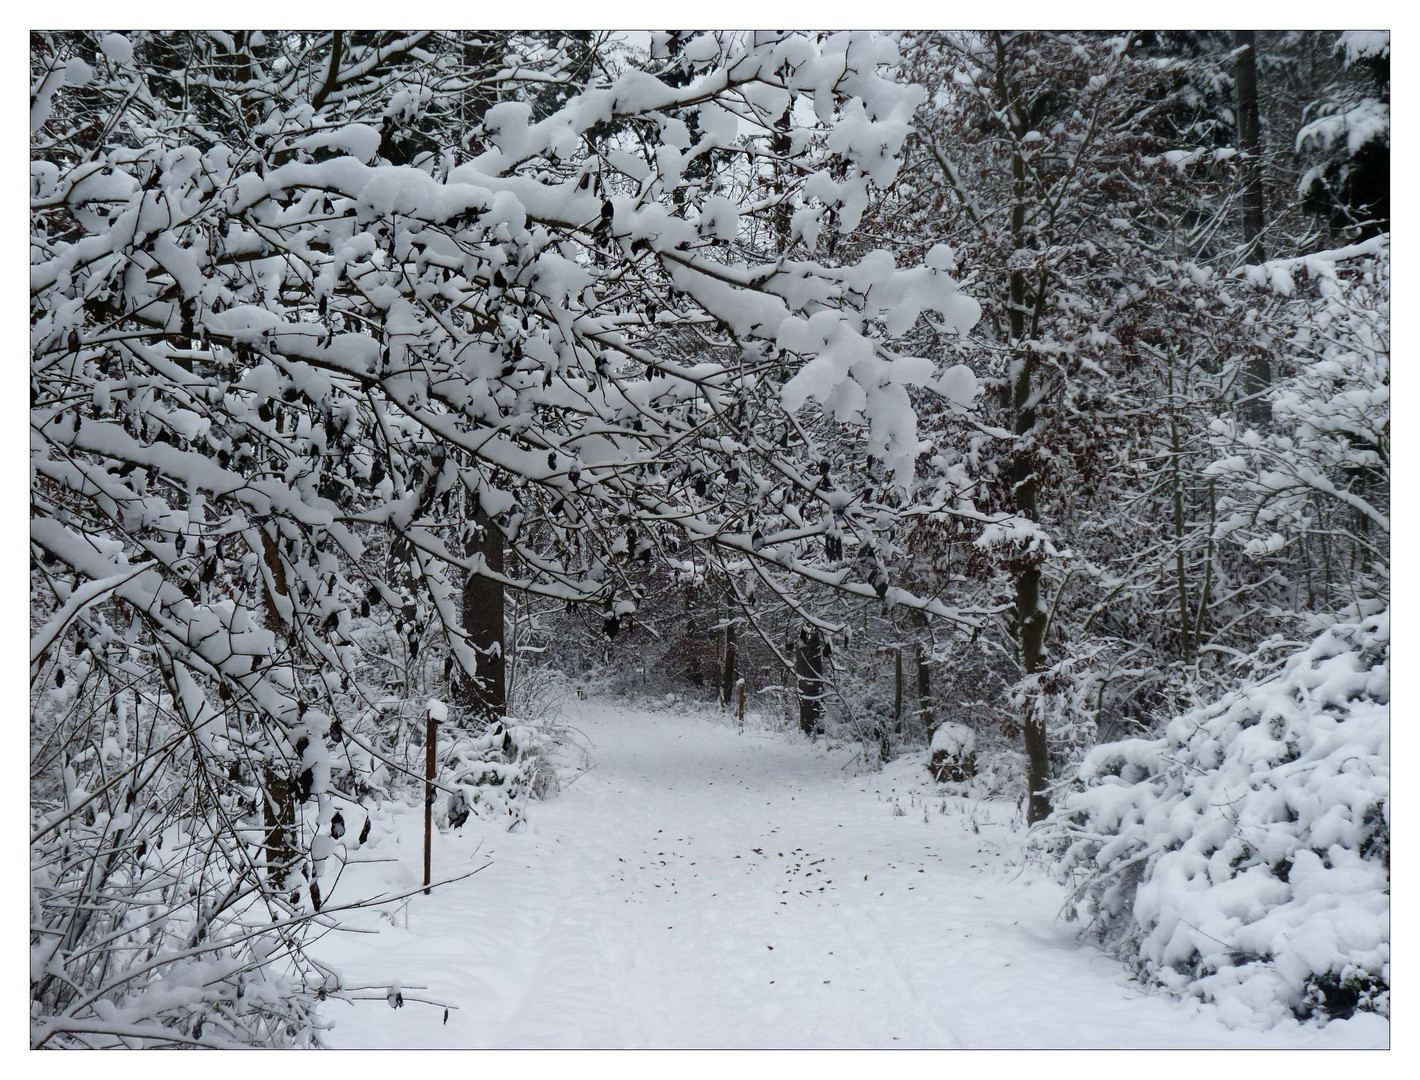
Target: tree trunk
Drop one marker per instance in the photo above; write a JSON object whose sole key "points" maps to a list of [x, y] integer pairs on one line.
{"points": [[1030, 624], [1249, 142], [279, 813], [482, 699], [1258, 375], [1179, 523], [1030, 619], [728, 674], [925, 713], [808, 666], [431, 747], [897, 690]]}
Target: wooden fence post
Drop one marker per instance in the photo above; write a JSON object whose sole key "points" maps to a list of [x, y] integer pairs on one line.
{"points": [[897, 690], [431, 735]]}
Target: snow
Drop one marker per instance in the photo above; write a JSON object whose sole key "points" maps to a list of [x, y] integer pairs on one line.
{"points": [[1361, 44], [1366, 120], [228, 343], [696, 886], [117, 48], [1244, 856], [360, 141], [720, 218], [77, 72], [953, 738]]}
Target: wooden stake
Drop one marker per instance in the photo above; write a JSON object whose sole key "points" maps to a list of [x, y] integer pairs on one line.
{"points": [[741, 689], [431, 735], [897, 690]]}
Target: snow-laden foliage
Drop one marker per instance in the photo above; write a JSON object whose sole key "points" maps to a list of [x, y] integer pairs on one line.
{"points": [[952, 752], [376, 368], [496, 773], [1201, 450], [1034, 158], [316, 319], [1244, 857], [1316, 480], [1347, 135]]}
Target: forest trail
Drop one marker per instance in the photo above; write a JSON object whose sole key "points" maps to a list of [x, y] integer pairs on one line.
{"points": [[701, 887]]}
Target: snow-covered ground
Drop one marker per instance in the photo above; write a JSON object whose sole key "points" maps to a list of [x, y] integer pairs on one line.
{"points": [[702, 887]]}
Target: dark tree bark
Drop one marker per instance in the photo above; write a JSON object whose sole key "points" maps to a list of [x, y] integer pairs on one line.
{"points": [[729, 672], [332, 76], [808, 666], [279, 814], [1030, 619], [1259, 366], [1249, 142], [1027, 298], [897, 690], [925, 712], [1179, 526], [482, 699]]}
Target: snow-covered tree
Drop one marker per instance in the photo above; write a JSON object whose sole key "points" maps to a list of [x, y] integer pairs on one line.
{"points": [[1309, 494], [1089, 186], [1346, 134], [1034, 161], [299, 358]]}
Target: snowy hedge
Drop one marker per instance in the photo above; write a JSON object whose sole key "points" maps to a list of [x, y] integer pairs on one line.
{"points": [[1244, 857]]}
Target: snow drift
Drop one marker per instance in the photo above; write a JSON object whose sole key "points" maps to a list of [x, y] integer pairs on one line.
{"points": [[1244, 857]]}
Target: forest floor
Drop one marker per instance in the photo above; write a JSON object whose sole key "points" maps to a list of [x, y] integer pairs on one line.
{"points": [[703, 887]]}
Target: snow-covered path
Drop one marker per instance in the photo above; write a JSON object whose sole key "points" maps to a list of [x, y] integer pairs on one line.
{"points": [[705, 888]]}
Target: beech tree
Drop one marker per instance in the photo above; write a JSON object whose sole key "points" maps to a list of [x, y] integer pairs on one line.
{"points": [[1091, 189], [294, 361], [1027, 155]]}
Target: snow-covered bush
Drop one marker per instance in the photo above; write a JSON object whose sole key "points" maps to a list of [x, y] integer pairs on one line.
{"points": [[494, 773], [1244, 857], [953, 752], [1000, 774]]}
